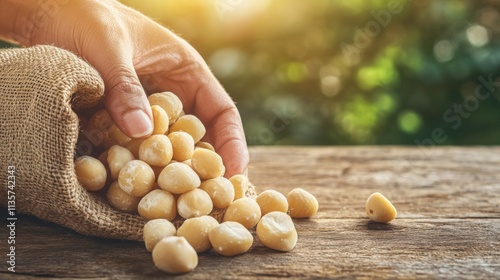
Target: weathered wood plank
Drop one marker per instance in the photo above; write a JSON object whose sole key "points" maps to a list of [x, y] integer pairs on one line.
{"points": [[455, 182], [448, 222], [464, 248]]}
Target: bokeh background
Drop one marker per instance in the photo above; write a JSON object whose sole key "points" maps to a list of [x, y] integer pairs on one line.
{"points": [[349, 72]]}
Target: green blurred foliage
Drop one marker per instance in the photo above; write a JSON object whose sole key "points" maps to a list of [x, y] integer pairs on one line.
{"points": [[350, 71]]}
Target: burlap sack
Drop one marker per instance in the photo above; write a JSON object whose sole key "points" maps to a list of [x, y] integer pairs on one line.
{"points": [[39, 89], [38, 134]]}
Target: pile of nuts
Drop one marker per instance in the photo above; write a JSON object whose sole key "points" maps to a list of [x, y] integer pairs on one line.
{"points": [[173, 174]]}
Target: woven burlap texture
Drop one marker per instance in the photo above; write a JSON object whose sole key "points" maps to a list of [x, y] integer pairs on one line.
{"points": [[38, 133]]}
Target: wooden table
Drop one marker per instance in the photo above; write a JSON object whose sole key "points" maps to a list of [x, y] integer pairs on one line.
{"points": [[448, 223]]}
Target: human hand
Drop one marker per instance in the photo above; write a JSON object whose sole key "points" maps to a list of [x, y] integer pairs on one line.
{"points": [[126, 48]]}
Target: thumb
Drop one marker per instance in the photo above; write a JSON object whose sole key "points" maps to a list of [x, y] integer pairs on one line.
{"points": [[125, 98]]}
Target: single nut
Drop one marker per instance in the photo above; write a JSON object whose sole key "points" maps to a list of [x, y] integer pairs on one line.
{"points": [[121, 200], [190, 124], [155, 230], [276, 231], [178, 178], [230, 239], [118, 156], [196, 230], [194, 203], [103, 158], [240, 184], [117, 136], [156, 150], [90, 172], [301, 204], [100, 120], [169, 102], [98, 128], [205, 145], [244, 211], [220, 190], [158, 204], [270, 201], [136, 178], [380, 209], [173, 254], [182, 145], [207, 164], [223, 171], [160, 120]]}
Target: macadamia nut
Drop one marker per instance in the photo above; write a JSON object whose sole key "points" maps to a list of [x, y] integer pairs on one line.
{"points": [[117, 136], [240, 184], [91, 173], [156, 150], [220, 190], [169, 102], [136, 178], [172, 175], [173, 254], [380, 209], [121, 200], [178, 178], [276, 231], [196, 230], [272, 200], [194, 203], [103, 158], [158, 204], [190, 124], [182, 145], [118, 156], [301, 203], [244, 211], [160, 120], [98, 128], [155, 230], [205, 145], [207, 164], [230, 239]]}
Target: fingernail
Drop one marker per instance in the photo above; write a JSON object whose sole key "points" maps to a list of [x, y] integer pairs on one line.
{"points": [[137, 123]]}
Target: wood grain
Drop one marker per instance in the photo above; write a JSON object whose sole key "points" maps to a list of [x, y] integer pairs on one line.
{"points": [[448, 202]]}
